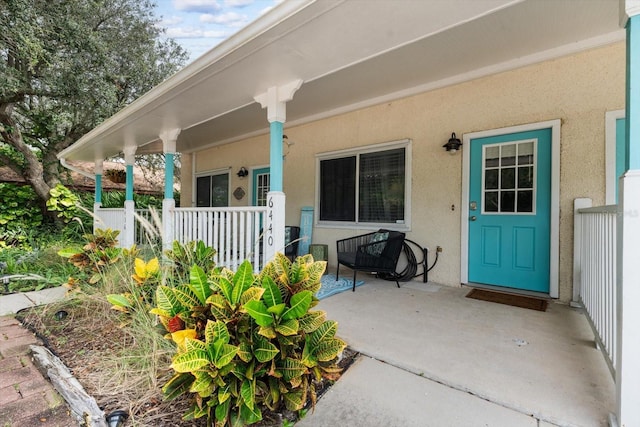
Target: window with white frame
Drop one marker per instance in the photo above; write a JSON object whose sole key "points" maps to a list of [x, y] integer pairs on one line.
{"points": [[212, 190], [365, 186]]}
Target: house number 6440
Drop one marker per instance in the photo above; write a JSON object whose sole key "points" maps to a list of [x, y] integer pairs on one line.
{"points": [[270, 228]]}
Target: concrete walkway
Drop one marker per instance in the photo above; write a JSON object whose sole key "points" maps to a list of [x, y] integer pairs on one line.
{"points": [[435, 358], [12, 303]]}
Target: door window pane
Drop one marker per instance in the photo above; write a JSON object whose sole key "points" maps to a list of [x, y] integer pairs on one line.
{"points": [[492, 156], [525, 201], [262, 188], [491, 201], [507, 187], [508, 201], [525, 153], [491, 179], [508, 180], [525, 177], [508, 155]]}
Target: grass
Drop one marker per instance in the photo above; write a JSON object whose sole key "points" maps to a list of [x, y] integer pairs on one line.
{"points": [[33, 270]]}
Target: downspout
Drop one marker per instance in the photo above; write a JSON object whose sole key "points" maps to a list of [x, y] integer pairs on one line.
{"points": [[98, 187], [64, 163]]}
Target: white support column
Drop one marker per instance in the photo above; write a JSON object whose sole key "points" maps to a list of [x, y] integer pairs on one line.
{"points": [[169, 139], [97, 204], [275, 101], [628, 268], [628, 306], [129, 237]]}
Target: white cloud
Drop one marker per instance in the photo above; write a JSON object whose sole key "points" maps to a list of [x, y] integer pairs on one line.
{"points": [[199, 6], [231, 19], [171, 21], [238, 3], [194, 33]]}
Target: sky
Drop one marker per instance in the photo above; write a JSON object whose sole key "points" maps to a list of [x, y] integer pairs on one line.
{"points": [[199, 25]]}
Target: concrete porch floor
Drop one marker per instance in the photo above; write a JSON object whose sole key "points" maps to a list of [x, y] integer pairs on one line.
{"points": [[431, 357]]}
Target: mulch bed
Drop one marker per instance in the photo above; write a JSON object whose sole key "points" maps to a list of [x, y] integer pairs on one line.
{"points": [[81, 341]]}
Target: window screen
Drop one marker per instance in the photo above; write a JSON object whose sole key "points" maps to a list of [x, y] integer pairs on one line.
{"points": [[212, 190], [367, 187]]}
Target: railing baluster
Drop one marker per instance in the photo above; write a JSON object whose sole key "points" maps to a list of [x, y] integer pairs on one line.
{"points": [[598, 275], [233, 232]]}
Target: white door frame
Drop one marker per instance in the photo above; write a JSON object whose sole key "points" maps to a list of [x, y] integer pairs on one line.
{"points": [[610, 137], [554, 250]]}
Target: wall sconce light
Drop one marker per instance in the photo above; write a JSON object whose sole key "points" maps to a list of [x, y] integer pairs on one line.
{"points": [[243, 172], [453, 145], [286, 145]]}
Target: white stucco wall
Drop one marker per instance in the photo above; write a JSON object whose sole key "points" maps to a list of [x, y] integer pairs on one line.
{"points": [[577, 89]]}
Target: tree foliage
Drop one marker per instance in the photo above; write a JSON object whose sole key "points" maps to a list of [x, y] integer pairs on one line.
{"points": [[65, 66]]}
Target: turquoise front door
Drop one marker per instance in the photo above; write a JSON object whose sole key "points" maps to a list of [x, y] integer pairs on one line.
{"points": [[510, 210], [261, 183]]}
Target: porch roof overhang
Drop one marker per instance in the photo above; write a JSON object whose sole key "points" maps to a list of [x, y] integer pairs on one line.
{"points": [[349, 55]]}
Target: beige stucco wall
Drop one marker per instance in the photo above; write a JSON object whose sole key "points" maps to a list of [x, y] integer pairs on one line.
{"points": [[577, 89]]}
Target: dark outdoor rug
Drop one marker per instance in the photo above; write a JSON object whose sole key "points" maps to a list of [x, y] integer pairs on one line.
{"points": [[523, 301], [331, 286]]}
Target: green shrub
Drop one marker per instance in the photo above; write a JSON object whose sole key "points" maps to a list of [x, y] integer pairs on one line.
{"points": [[19, 213], [184, 256], [96, 256], [246, 342], [64, 202]]}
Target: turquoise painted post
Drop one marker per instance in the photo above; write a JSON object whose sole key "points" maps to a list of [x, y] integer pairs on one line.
{"points": [[276, 160], [98, 195], [129, 190], [632, 105], [168, 172]]}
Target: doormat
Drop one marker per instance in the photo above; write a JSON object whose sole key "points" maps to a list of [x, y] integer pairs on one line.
{"points": [[523, 301], [331, 286]]}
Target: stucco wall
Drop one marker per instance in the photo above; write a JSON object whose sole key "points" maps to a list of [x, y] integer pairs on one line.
{"points": [[577, 89]]}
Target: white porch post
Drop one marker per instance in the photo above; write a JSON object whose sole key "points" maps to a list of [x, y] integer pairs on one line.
{"points": [[275, 101], [628, 304], [169, 139], [129, 238], [99, 167]]}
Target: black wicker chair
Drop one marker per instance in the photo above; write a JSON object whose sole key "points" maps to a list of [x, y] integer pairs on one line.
{"points": [[291, 240], [376, 252]]}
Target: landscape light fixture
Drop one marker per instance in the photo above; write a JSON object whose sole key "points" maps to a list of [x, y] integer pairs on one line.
{"points": [[117, 418]]}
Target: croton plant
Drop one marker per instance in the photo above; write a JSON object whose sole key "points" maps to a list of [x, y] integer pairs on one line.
{"points": [[246, 342]]}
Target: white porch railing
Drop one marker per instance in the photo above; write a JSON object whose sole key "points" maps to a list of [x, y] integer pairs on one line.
{"points": [[233, 232], [147, 227], [595, 271], [112, 218]]}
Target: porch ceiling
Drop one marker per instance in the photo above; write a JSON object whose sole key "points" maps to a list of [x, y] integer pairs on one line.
{"points": [[348, 54]]}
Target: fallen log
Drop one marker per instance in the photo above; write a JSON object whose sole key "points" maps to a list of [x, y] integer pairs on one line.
{"points": [[84, 407]]}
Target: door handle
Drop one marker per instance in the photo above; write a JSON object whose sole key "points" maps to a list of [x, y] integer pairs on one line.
{"points": [[472, 218]]}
